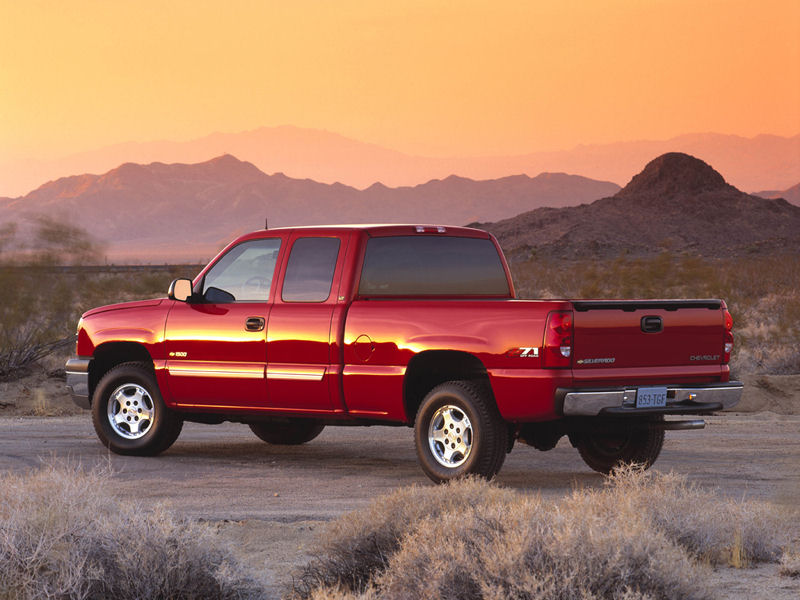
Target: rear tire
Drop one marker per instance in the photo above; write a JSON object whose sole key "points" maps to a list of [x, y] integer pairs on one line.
{"points": [[459, 431], [291, 432], [638, 443], [129, 414]]}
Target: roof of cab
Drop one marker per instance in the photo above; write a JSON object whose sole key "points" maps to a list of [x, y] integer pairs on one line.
{"points": [[376, 230]]}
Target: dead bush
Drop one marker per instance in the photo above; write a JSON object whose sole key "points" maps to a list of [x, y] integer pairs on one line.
{"points": [[643, 535], [358, 546], [790, 563], [64, 535]]}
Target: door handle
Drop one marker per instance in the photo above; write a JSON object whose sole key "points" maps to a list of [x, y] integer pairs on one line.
{"points": [[254, 323]]}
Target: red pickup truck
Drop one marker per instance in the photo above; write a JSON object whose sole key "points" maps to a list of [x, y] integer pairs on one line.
{"points": [[290, 330]]}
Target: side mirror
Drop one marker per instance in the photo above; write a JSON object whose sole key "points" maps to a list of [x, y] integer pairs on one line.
{"points": [[180, 290]]}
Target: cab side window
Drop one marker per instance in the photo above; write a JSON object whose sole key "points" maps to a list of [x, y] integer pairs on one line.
{"points": [[309, 272], [244, 274]]}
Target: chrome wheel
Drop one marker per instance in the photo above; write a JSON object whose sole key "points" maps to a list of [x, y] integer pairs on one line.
{"points": [[131, 411], [450, 436]]}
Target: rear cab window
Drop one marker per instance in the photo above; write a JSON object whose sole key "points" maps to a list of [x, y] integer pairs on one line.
{"points": [[413, 266]]}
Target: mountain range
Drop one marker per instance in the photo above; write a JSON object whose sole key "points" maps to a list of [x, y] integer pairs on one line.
{"points": [[186, 212], [677, 203], [758, 163], [160, 211]]}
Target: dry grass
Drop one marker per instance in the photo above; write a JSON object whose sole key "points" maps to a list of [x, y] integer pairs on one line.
{"points": [[644, 535], [790, 563], [64, 535]]}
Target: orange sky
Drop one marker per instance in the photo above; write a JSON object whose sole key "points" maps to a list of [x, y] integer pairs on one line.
{"points": [[425, 77]]}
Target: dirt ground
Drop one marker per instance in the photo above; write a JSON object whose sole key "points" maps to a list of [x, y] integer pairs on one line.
{"points": [[269, 503]]}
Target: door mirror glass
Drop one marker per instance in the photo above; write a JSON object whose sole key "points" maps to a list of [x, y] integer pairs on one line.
{"points": [[180, 290]]}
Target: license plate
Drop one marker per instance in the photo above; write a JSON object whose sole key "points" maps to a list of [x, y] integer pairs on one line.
{"points": [[651, 397]]}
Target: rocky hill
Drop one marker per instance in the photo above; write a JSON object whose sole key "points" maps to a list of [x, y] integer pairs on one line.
{"points": [[677, 203], [188, 211]]}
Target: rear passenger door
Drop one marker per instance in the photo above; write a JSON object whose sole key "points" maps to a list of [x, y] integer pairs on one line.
{"points": [[302, 354]]}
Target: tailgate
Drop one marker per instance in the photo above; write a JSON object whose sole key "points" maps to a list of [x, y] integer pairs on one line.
{"points": [[614, 334]]}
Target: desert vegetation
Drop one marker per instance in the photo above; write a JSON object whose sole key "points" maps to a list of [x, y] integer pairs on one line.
{"points": [[46, 283], [643, 535], [63, 534]]}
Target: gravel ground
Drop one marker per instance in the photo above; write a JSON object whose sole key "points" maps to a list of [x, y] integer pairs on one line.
{"points": [[270, 502]]}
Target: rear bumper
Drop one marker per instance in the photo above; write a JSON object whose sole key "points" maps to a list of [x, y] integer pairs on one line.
{"points": [[78, 380], [681, 400]]}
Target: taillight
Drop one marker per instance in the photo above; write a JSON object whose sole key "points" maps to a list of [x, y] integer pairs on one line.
{"points": [[557, 346], [728, 348]]}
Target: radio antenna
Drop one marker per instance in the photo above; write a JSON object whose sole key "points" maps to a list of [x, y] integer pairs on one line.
{"points": [[266, 223]]}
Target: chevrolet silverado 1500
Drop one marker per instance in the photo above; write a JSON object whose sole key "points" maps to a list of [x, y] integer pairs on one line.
{"points": [[291, 330]]}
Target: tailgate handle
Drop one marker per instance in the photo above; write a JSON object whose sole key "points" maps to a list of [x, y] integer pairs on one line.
{"points": [[652, 324]]}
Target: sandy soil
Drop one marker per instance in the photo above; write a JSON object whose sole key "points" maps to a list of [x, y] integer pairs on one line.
{"points": [[270, 503]]}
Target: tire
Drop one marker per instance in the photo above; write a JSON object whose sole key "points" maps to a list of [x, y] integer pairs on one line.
{"points": [[638, 443], [291, 432], [129, 414], [463, 416]]}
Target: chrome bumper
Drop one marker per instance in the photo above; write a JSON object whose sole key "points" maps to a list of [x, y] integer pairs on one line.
{"points": [[78, 380], [680, 400]]}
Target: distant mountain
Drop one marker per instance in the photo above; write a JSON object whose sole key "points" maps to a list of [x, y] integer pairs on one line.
{"points": [[792, 194], [188, 211], [762, 162], [677, 203]]}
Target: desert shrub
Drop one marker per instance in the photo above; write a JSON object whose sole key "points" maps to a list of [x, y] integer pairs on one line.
{"points": [[790, 563], [64, 535], [36, 303], [40, 301], [360, 545], [643, 535]]}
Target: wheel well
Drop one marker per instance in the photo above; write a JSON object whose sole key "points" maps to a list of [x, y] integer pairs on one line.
{"points": [[430, 368], [108, 355]]}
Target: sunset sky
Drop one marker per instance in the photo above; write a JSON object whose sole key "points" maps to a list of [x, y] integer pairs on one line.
{"points": [[423, 77]]}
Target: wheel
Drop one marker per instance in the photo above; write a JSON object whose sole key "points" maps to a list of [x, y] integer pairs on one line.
{"points": [[129, 415], [459, 431], [290, 432], [638, 443]]}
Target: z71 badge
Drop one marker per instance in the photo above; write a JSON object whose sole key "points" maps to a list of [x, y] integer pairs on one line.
{"points": [[525, 352]]}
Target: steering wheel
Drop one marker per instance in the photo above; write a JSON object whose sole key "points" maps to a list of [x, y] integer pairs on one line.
{"points": [[255, 285]]}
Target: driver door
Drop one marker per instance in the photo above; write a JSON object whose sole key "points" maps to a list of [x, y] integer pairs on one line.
{"points": [[216, 343]]}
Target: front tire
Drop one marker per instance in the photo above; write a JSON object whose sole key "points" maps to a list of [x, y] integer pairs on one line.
{"points": [[638, 443], [459, 431], [291, 432], [129, 414]]}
